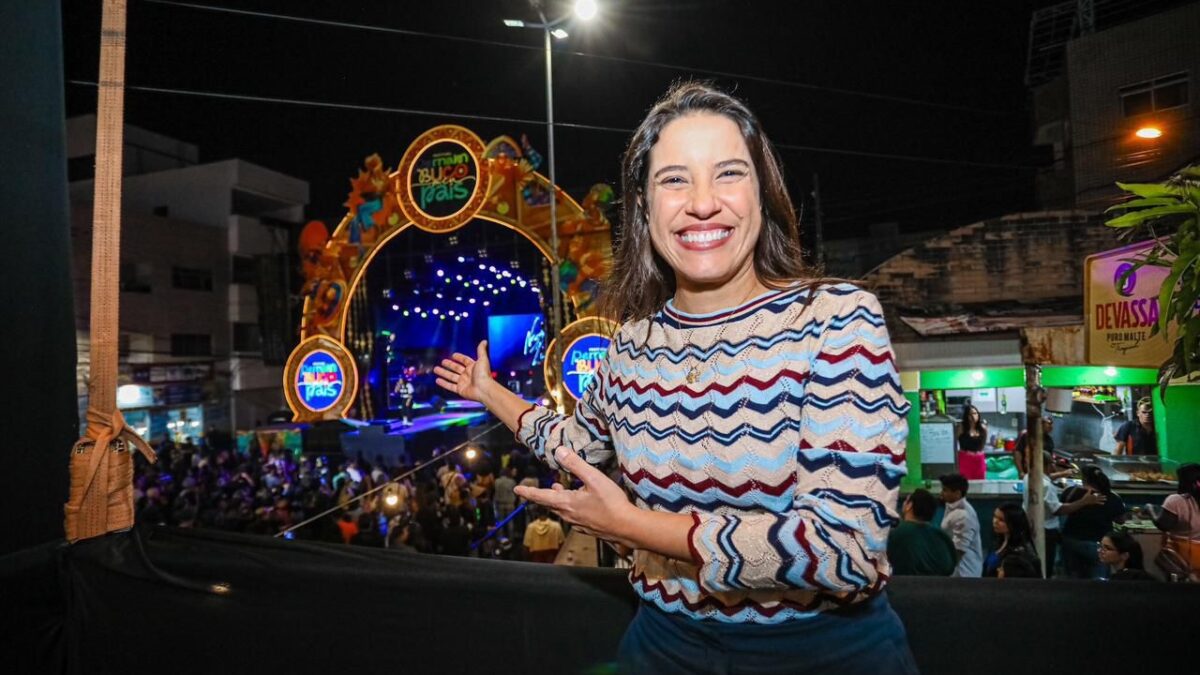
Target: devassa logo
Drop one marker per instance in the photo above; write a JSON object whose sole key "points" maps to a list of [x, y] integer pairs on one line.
{"points": [[1125, 279]]}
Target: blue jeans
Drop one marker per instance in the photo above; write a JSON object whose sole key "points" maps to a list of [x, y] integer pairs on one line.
{"points": [[866, 638]]}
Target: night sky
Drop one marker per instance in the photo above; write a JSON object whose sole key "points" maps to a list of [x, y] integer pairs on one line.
{"points": [[793, 61]]}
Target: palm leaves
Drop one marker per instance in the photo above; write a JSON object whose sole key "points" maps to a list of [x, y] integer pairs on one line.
{"points": [[1172, 204]]}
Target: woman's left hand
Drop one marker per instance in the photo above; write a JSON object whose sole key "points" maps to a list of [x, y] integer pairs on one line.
{"points": [[600, 507]]}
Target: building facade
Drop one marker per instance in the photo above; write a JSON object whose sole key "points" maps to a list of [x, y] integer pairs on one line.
{"points": [[1113, 99], [194, 239]]}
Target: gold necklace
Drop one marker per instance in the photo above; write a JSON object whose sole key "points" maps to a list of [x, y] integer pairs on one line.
{"points": [[694, 369]]}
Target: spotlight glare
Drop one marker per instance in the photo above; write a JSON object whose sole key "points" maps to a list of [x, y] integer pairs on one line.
{"points": [[586, 9], [1149, 132], [395, 308], [441, 273], [461, 259], [471, 453]]}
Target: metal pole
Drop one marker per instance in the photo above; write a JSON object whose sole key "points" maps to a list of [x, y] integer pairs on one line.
{"points": [[556, 290], [1033, 454]]}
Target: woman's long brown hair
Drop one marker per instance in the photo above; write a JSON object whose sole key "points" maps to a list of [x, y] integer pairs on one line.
{"points": [[642, 281]]}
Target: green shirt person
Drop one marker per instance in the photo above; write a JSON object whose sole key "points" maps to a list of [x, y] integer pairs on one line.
{"points": [[915, 546]]}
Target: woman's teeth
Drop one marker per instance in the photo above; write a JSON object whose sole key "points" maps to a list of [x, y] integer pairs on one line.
{"points": [[705, 235]]}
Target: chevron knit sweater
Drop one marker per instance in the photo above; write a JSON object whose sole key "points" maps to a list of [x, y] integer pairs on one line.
{"points": [[787, 449]]}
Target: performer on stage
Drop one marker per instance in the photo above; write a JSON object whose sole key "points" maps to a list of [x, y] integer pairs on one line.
{"points": [[754, 409], [404, 389]]}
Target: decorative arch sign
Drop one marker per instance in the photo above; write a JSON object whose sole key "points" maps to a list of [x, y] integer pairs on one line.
{"points": [[585, 346], [320, 380], [444, 181]]}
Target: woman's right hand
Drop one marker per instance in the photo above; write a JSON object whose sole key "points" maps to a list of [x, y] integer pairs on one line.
{"points": [[464, 376]]}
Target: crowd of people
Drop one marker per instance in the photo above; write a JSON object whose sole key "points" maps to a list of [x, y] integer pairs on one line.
{"points": [[452, 507], [452, 510], [1083, 537]]}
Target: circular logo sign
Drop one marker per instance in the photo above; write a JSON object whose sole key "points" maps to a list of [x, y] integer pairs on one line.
{"points": [[580, 359], [442, 181], [1125, 279], [320, 380]]}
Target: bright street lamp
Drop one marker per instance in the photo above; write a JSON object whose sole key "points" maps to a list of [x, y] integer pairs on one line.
{"points": [[1148, 132], [584, 9]]}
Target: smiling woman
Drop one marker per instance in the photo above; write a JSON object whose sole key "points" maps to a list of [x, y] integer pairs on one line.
{"points": [[754, 409]]}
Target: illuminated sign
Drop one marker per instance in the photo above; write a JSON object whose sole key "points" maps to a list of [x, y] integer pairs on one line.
{"points": [[580, 359], [319, 380], [441, 182], [442, 179], [1122, 308]]}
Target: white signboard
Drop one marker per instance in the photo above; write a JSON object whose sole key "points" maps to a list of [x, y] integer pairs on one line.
{"points": [[937, 443]]}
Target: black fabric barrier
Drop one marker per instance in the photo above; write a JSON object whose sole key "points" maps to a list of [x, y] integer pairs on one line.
{"points": [[117, 605]]}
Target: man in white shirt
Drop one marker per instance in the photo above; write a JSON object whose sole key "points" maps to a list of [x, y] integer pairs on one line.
{"points": [[960, 522], [1050, 507]]}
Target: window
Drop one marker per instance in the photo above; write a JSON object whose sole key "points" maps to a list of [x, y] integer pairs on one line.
{"points": [[245, 270], [1150, 96], [135, 278], [191, 344], [191, 279], [247, 337]]}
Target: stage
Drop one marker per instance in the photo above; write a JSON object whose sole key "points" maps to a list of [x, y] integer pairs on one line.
{"points": [[406, 443]]}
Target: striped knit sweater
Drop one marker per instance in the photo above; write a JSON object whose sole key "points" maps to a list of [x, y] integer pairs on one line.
{"points": [[787, 450]]}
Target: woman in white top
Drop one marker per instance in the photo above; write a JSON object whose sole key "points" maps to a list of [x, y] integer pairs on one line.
{"points": [[1181, 511]]}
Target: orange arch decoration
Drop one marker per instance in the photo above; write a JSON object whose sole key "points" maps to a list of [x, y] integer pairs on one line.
{"points": [[445, 179]]}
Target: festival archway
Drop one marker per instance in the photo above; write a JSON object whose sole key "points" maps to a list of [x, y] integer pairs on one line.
{"points": [[446, 178]]}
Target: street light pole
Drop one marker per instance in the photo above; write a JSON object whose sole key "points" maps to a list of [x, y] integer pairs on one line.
{"points": [[584, 10], [556, 287]]}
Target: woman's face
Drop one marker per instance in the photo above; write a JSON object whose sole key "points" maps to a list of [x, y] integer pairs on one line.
{"points": [[974, 416], [703, 200], [998, 525], [1109, 555]]}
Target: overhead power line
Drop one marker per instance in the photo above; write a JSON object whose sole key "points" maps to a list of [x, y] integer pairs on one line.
{"points": [[601, 57], [533, 122]]}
